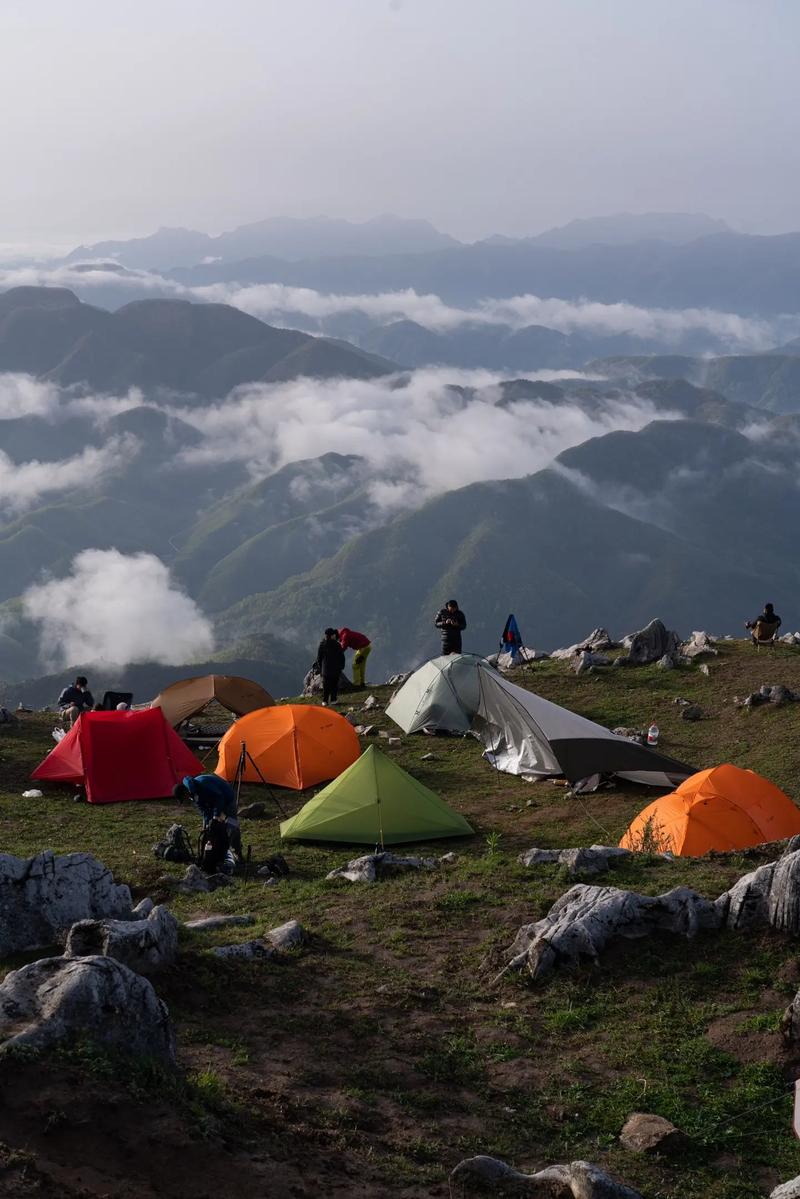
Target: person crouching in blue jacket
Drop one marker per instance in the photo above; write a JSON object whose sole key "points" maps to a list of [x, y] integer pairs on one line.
{"points": [[215, 800]]}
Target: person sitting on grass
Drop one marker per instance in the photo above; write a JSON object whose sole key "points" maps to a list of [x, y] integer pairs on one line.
{"points": [[215, 800]]}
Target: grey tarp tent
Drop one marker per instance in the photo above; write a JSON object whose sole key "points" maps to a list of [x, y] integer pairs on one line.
{"points": [[527, 735], [443, 695]]}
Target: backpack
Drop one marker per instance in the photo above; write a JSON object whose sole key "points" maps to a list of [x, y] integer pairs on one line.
{"points": [[176, 846]]}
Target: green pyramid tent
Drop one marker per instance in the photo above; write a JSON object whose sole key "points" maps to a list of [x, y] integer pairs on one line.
{"points": [[374, 802]]}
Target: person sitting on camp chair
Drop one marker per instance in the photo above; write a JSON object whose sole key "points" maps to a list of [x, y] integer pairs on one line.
{"points": [[764, 629], [76, 699], [350, 639], [215, 800]]}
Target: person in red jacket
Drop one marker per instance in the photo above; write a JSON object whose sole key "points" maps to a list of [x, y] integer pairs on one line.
{"points": [[350, 639]]}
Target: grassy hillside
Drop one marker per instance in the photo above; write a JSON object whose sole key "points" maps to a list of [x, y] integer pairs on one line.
{"points": [[382, 1054]]}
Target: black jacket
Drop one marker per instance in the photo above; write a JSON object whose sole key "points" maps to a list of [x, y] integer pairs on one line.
{"points": [[330, 658], [73, 695], [452, 625]]}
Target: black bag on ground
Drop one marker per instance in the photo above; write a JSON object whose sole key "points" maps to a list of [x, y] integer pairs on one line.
{"points": [[176, 846], [214, 845]]}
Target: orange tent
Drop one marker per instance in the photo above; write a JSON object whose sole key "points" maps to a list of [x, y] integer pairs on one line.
{"points": [[293, 745], [724, 808]]}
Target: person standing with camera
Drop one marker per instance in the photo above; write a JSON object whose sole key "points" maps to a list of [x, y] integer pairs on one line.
{"points": [[451, 621]]}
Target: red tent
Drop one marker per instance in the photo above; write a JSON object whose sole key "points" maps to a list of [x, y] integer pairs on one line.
{"points": [[120, 755]]}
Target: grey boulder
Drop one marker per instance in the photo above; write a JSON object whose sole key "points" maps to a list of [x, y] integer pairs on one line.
{"points": [[652, 642], [374, 866], [646, 1133], [42, 897], [60, 999], [142, 945]]}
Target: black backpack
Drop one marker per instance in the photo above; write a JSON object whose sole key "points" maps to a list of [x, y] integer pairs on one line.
{"points": [[176, 846]]}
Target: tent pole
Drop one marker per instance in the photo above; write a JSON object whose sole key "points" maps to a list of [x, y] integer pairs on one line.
{"points": [[246, 754]]}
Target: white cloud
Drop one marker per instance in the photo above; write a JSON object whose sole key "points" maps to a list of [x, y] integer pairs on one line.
{"points": [[418, 434], [296, 306], [116, 608], [23, 484]]}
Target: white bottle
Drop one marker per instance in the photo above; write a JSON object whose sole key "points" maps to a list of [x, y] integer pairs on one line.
{"points": [[652, 734]]}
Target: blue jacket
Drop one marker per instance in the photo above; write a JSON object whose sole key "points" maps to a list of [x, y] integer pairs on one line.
{"points": [[212, 795]]}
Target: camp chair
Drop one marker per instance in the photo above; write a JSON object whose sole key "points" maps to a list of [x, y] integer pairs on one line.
{"points": [[112, 698], [764, 632]]}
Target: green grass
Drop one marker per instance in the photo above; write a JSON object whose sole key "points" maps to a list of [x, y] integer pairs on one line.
{"points": [[383, 1043]]}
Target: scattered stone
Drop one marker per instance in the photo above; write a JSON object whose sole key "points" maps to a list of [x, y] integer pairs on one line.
{"points": [[580, 1180], [704, 669], [194, 880], [366, 730], [429, 758], [207, 924], [312, 684], [776, 694], [598, 640], [59, 999], [698, 644], [141, 945], [248, 950], [790, 638], [370, 703], [692, 712], [652, 643], [787, 1190], [253, 811], [374, 866], [586, 661], [43, 896], [645, 1133], [447, 859], [595, 860], [395, 741], [285, 937]]}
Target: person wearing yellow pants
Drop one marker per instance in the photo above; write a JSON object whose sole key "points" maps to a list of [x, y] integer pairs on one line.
{"points": [[350, 639]]}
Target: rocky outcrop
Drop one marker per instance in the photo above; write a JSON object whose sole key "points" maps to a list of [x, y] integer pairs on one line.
{"points": [[651, 643], [698, 644], [787, 1190], [193, 881], [645, 1133], [207, 924], [142, 945], [775, 693], [583, 922], [596, 860], [580, 1180], [62, 999], [282, 939], [374, 866], [586, 919], [42, 897], [288, 936], [597, 641]]}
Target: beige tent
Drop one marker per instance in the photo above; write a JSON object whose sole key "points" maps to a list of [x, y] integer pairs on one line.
{"points": [[187, 697]]}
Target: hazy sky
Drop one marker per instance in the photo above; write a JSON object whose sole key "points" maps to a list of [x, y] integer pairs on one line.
{"points": [[483, 115]]}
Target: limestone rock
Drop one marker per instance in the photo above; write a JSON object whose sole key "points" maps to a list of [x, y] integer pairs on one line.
{"points": [[285, 937], [652, 643], [586, 919], [597, 641], [374, 866], [194, 880], [787, 1190], [595, 860], [207, 924], [645, 1133], [699, 643], [42, 897], [141, 945], [59, 999], [586, 660], [768, 897], [580, 1180], [143, 909]]}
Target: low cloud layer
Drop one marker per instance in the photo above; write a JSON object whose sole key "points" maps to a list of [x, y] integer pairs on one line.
{"points": [[116, 608], [23, 485], [418, 433], [304, 307]]}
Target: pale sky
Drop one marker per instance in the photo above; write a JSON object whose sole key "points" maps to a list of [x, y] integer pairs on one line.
{"points": [[482, 115]]}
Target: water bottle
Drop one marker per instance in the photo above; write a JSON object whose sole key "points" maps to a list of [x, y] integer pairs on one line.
{"points": [[652, 734]]}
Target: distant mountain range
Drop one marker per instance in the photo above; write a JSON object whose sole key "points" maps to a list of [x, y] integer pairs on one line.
{"points": [[174, 345], [283, 237], [730, 272]]}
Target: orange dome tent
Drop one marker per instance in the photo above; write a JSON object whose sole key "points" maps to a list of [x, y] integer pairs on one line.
{"points": [[293, 745], [724, 808]]}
